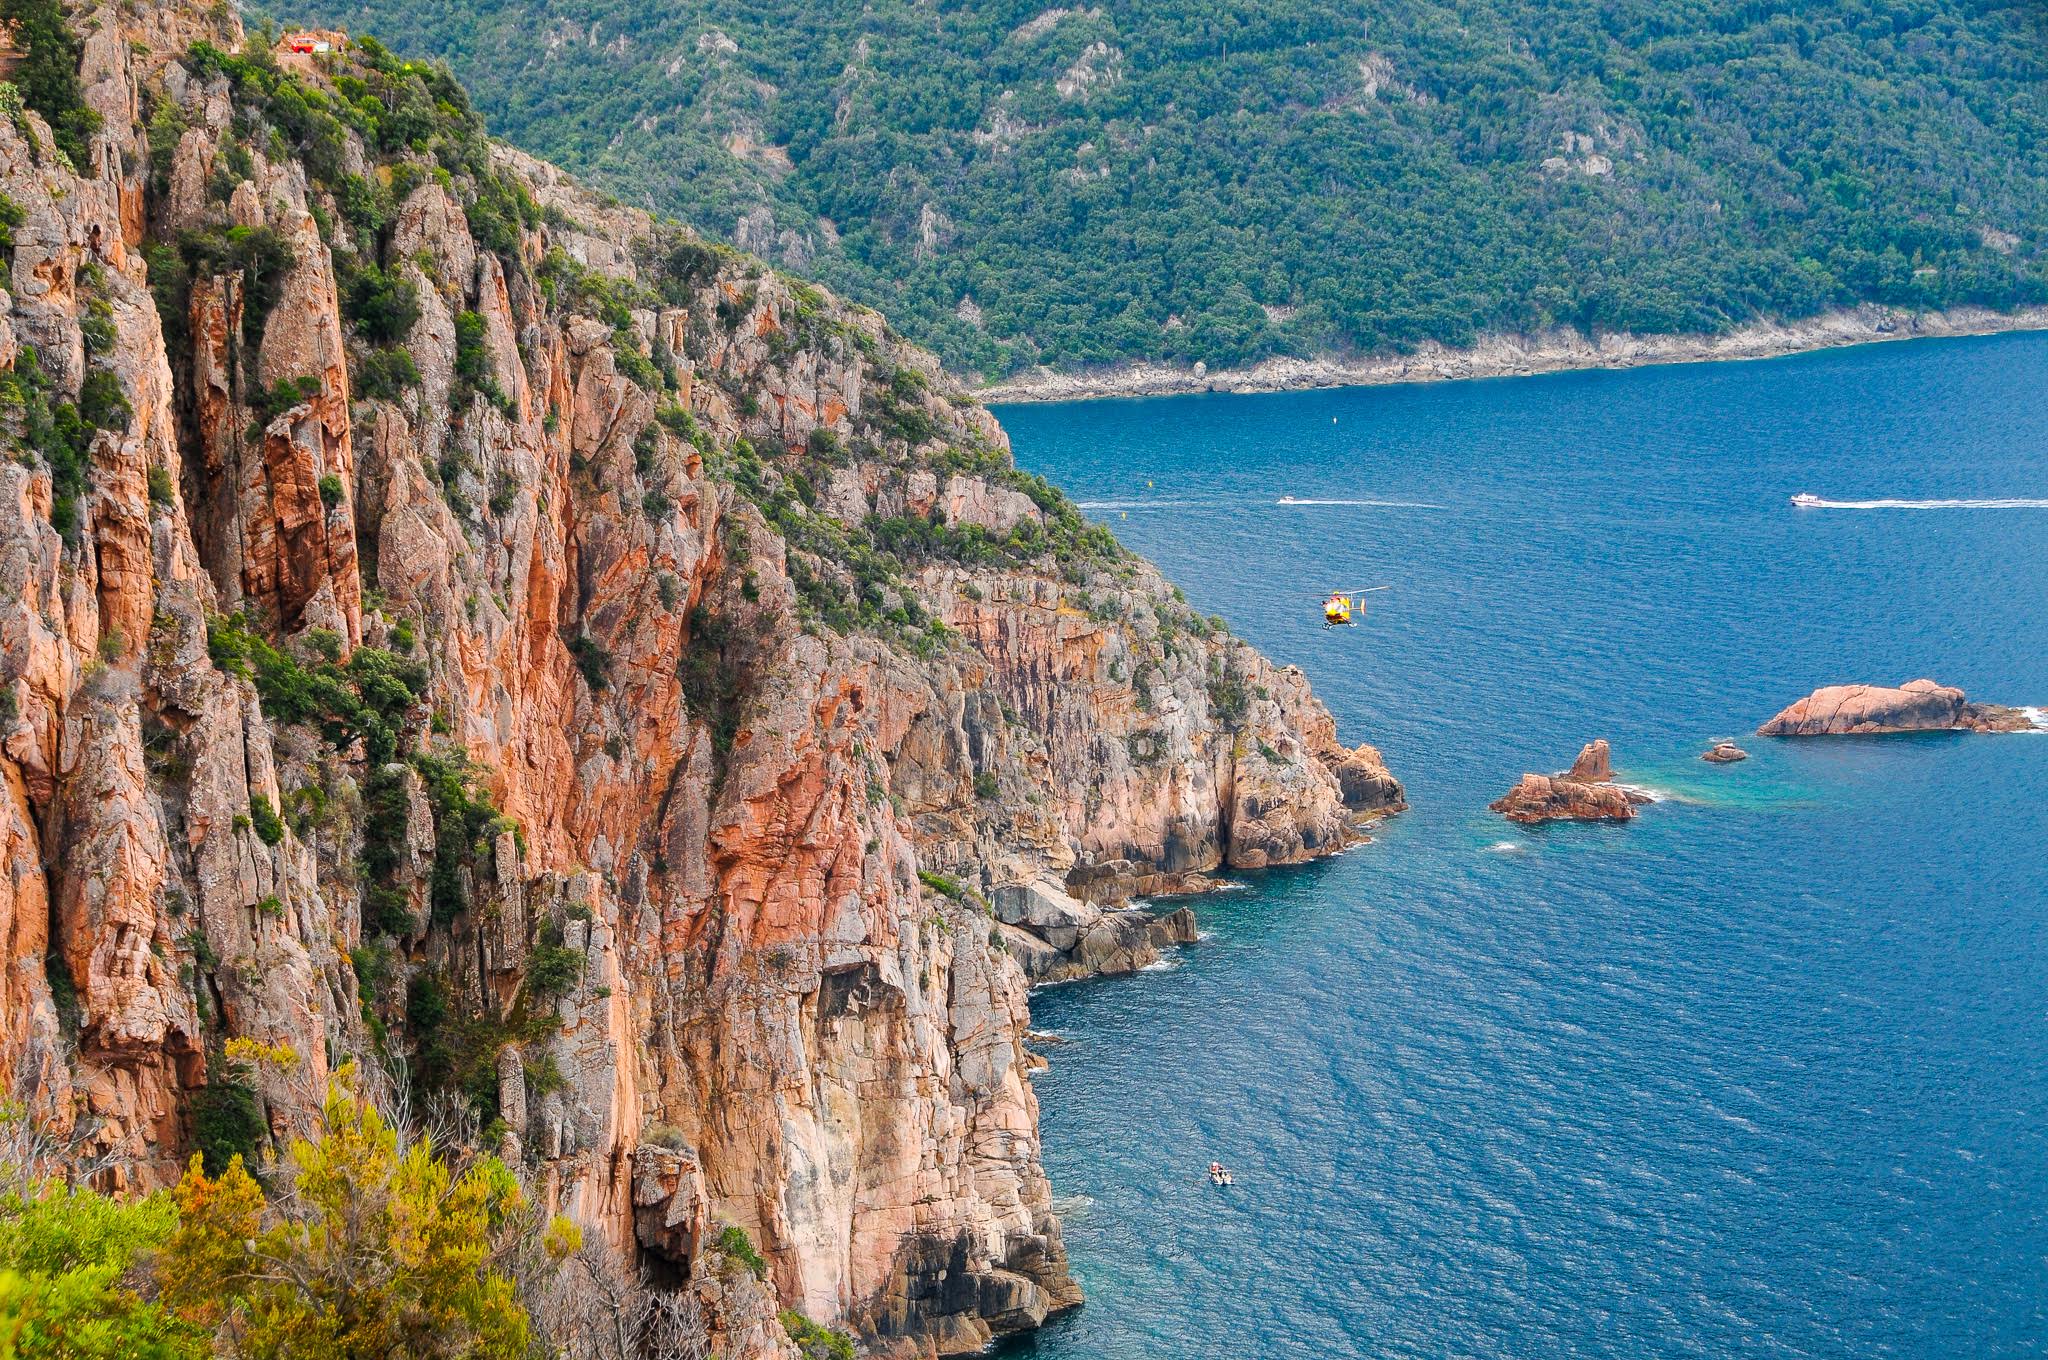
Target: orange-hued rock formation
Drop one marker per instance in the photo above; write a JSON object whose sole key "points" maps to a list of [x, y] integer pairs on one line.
{"points": [[1584, 793], [1916, 706], [656, 710]]}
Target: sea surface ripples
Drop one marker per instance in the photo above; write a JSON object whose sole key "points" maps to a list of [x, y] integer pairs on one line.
{"points": [[1761, 1074]]}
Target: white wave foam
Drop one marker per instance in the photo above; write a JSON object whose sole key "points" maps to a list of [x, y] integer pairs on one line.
{"points": [[1231, 885], [1165, 965], [2037, 716], [1654, 795], [2000, 503], [1507, 848]]}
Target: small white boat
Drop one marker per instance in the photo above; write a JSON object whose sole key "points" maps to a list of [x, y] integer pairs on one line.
{"points": [[1806, 500]]}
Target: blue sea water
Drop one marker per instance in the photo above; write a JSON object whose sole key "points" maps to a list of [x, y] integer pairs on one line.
{"points": [[1762, 1074]]}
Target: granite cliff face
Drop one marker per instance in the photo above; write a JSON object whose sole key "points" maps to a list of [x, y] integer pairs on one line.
{"points": [[454, 622]]}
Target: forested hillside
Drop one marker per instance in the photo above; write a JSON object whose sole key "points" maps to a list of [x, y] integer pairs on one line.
{"points": [[1229, 179]]}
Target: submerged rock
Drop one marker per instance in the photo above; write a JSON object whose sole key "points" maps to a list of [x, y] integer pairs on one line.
{"points": [[1584, 793], [1916, 706]]}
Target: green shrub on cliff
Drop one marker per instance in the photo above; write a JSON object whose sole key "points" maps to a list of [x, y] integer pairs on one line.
{"points": [[261, 255], [381, 306], [227, 1122], [381, 1248], [269, 826], [283, 395], [1229, 701], [553, 970], [367, 697], [593, 662], [61, 432], [464, 819], [816, 1342], [386, 373], [47, 74], [736, 1247], [68, 1262], [11, 217]]}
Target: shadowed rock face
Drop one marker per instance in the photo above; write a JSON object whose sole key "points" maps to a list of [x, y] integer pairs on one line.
{"points": [[748, 732], [1583, 793], [1916, 706]]}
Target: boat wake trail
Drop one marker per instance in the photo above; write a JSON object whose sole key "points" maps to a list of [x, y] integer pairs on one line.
{"points": [[1219, 503], [1390, 505], [2009, 503]]}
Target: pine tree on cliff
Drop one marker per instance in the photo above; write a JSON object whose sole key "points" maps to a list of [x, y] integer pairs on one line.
{"points": [[47, 73]]}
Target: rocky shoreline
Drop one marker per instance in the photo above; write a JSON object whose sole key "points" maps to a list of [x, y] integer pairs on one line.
{"points": [[1108, 929], [1505, 356]]}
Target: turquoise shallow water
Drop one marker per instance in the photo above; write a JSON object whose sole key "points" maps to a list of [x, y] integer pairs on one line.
{"points": [[1762, 1074]]}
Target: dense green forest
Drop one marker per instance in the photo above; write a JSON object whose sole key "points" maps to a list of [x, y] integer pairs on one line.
{"points": [[1228, 179]]}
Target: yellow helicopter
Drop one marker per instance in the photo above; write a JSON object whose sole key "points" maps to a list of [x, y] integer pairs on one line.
{"points": [[1346, 607]]}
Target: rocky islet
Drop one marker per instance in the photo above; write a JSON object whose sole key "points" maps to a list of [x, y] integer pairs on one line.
{"points": [[1873, 710], [1584, 793]]}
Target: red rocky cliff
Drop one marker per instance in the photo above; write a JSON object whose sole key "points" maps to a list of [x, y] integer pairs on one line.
{"points": [[497, 629]]}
